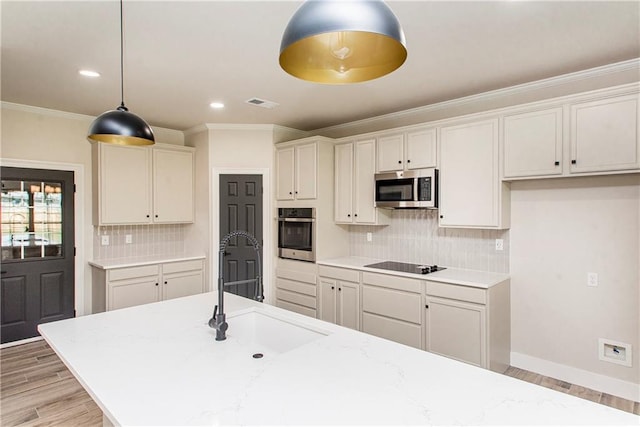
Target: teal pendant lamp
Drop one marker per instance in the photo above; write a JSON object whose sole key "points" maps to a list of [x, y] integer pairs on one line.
{"points": [[342, 41], [120, 126]]}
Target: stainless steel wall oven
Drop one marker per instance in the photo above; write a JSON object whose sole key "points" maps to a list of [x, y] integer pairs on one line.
{"points": [[297, 233]]}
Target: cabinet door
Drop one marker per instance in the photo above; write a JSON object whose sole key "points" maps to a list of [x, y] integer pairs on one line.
{"points": [[457, 329], [343, 183], [178, 285], [390, 153], [285, 173], [469, 182], [364, 185], [421, 149], [604, 135], [124, 184], [133, 292], [173, 186], [328, 291], [533, 143], [306, 165], [348, 305]]}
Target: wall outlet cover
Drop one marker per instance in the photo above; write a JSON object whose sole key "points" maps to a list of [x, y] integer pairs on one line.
{"points": [[104, 240], [128, 238], [592, 279], [499, 245], [369, 237]]}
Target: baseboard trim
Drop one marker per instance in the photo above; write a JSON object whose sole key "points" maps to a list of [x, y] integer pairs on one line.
{"points": [[598, 382], [15, 343]]}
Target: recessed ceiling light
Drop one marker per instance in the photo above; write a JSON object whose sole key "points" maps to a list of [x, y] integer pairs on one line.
{"points": [[89, 73], [216, 105]]}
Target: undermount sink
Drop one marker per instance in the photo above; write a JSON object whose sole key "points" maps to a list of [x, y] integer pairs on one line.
{"points": [[267, 333]]}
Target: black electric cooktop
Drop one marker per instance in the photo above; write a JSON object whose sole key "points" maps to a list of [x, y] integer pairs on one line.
{"points": [[406, 267]]}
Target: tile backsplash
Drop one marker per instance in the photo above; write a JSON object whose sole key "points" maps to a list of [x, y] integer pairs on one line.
{"points": [[146, 240], [414, 236]]}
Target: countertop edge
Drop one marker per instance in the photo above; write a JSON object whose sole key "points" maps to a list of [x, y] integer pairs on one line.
{"points": [[483, 279], [109, 264]]}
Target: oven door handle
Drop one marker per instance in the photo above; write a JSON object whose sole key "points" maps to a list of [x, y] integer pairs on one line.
{"points": [[296, 219]]}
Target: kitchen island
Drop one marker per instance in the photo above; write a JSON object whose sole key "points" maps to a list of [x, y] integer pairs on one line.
{"points": [[159, 364]]}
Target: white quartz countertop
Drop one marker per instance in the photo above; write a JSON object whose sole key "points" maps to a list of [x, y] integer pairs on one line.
{"points": [[107, 264], [159, 364], [457, 276]]}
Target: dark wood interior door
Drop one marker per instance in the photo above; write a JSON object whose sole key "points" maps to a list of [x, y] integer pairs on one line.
{"points": [[241, 209], [37, 282]]}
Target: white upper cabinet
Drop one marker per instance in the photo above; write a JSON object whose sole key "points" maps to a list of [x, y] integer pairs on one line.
{"points": [[173, 186], [471, 193], [533, 143], [354, 184], [296, 168], [604, 135], [415, 149], [142, 185]]}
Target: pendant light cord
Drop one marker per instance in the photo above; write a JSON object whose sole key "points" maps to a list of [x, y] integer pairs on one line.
{"points": [[121, 58]]}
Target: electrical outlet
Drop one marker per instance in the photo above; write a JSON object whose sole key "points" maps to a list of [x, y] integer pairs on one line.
{"points": [[128, 238], [369, 237], [499, 245], [104, 239], [592, 279]]}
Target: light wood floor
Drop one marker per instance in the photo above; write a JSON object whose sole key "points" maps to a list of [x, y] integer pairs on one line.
{"points": [[37, 390]]}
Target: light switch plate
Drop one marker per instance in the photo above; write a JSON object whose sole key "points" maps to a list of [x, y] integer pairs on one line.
{"points": [[128, 238]]}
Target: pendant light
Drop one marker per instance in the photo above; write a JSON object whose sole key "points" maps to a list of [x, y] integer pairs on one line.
{"points": [[342, 41], [119, 126]]}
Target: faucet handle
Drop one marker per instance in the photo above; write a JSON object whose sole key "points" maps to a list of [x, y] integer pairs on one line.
{"points": [[212, 321]]}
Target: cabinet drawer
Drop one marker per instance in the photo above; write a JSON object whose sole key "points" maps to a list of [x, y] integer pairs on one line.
{"points": [[295, 298], [386, 302], [393, 282], [296, 308], [299, 276], [178, 267], [299, 287], [339, 273], [391, 329], [132, 272], [461, 293]]}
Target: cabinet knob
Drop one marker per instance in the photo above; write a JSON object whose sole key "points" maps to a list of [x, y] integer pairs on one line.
{"points": [[156, 284], [290, 192], [557, 163], [399, 162], [441, 216], [408, 160], [348, 215], [147, 216], [156, 216], [426, 306], [339, 289], [573, 162], [165, 282], [355, 214], [296, 192], [332, 287]]}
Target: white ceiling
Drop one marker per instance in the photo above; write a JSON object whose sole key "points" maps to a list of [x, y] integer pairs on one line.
{"points": [[180, 56]]}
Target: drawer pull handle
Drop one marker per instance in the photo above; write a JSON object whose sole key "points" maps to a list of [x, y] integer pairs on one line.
{"points": [[557, 163], [573, 162]]}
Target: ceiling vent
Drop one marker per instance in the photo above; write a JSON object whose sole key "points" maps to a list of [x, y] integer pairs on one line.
{"points": [[262, 103]]}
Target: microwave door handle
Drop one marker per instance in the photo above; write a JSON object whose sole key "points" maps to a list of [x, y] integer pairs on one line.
{"points": [[416, 184]]}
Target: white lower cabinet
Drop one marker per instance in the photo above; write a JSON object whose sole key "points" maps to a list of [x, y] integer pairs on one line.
{"points": [[339, 291], [469, 324], [117, 288], [296, 287], [392, 308]]}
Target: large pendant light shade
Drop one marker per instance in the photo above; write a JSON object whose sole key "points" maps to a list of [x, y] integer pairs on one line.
{"points": [[342, 41], [119, 126]]}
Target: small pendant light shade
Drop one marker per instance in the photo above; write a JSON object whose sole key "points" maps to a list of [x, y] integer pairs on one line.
{"points": [[121, 127], [342, 41]]}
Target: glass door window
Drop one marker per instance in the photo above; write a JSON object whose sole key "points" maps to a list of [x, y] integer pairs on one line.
{"points": [[31, 220]]}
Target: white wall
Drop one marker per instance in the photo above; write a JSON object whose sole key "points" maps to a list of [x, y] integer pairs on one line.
{"points": [[561, 230], [56, 137]]}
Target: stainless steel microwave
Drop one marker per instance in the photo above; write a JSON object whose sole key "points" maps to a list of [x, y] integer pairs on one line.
{"points": [[407, 189]]}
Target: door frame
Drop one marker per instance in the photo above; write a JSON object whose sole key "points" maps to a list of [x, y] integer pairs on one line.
{"points": [[78, 180], [267, 233]]}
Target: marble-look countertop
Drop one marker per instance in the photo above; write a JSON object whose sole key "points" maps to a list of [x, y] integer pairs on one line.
{"points": [[108, 264], [159, 364], [457, 276]]}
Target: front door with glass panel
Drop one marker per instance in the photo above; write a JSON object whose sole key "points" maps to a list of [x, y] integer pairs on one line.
{"points": [[37, 250]]}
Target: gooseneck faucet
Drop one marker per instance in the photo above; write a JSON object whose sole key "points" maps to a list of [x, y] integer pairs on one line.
{"points": [[219, 319]]}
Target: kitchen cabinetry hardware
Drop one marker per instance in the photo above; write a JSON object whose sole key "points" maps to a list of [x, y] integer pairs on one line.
{"points": [[399, 162], [426, 306], [573, 162], [556, 163]]}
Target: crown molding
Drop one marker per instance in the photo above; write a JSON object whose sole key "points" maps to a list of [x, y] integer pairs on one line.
{"points": [[45, 111], [618, 67]]}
